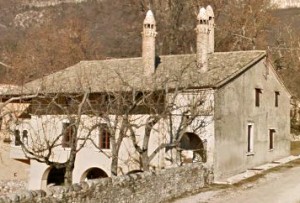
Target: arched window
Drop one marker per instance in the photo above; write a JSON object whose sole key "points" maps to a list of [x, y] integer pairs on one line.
{"points": [[93, 173]]}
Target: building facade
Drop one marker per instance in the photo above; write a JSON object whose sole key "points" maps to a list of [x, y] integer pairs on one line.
{"points": [[227, 109]]}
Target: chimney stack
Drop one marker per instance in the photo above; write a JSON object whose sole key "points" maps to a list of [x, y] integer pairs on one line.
{"points": [[148, 48], [202, 31], [211, 27]]}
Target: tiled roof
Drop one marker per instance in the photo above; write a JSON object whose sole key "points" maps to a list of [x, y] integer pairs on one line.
{"points": [[122, 74]]}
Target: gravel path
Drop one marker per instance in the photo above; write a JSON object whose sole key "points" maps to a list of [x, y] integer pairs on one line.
{"points": [[280, 185]]}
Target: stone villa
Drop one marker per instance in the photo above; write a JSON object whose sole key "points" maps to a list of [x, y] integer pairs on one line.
{"points": [[248, 122]]}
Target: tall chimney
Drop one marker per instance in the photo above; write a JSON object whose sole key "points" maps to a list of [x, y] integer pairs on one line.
{"points": [[148, 47], [211, 27], [202, 31]]}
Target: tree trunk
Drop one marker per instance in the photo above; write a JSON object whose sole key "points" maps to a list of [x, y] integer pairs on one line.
{"points": [[114, 165], [145, 161], [68, 175]]}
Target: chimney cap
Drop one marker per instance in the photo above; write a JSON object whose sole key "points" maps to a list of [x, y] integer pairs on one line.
{"points": [[210, 11], [149, 19], [202, 14]]}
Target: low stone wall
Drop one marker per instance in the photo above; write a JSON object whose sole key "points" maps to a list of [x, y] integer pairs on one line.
{"points": [[142, 187], [12, 186]]}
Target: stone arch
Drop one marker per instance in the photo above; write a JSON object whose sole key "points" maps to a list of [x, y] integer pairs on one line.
{"points": [[93, 173], [54, 176], [134, 172], [191, 144]]}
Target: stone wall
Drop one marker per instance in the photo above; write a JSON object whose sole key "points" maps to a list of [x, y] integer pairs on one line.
{"points": [[12, 186], [142, 187]]}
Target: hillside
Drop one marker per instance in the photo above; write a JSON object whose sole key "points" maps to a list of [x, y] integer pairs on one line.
{"points": [[40, 37], [289, 50], [287, 3]]}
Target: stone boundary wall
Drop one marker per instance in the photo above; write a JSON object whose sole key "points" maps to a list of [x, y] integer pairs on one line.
{"points": [[147, 187], [12, 186]]}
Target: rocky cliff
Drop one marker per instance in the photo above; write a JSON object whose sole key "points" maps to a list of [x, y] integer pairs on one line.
{"points": [[287, 3]]}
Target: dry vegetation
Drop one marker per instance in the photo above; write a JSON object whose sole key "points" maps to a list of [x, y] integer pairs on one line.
{"points": [[38, 41]]}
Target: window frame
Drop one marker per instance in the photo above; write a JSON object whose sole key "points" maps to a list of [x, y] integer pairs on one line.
{"points": [[258, 92], [104, 137], [68, 131], [17, 135], [25, 135], [271, 136], [250, 138]]}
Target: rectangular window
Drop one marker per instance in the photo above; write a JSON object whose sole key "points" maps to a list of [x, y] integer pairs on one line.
{"points": [[250, 138], [67, 134], [271, 138], [25, 137], [257, 96], [276, 98], [17, 138], [104, 137]]}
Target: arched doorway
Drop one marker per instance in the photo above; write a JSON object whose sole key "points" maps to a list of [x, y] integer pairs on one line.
{"points": [[93, 173], [56, 176], [52, 176], [192, 148]]}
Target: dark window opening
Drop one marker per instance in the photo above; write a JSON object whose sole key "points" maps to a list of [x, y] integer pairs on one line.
{"points": [[148, 26], [17, 138], [257, 96], [104, 137], [95, 173], [271, 138], [276, 98], [193, 143], [250, 138], [1, 121], [56, 176], [68, 134]]}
